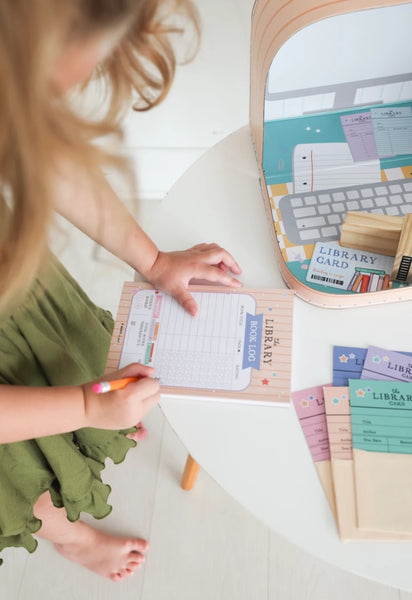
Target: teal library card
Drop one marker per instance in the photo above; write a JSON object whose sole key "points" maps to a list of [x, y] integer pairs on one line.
{"points": [[381, 415]]}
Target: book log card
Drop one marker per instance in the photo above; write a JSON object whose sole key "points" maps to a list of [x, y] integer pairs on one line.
{"points": [[237, 347]]}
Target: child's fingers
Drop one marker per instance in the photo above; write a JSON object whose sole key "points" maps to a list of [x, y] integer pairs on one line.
{"points": [[186, 300], [229, 262], [147, 388], [220, 256], [217, 274], [215, 254], [135, 370]]}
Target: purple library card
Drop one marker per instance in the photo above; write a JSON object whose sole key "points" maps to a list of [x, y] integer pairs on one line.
{"points": [[387, 365], [359, 133]]}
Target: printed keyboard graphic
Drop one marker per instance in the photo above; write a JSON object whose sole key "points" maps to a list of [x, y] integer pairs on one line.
{"points": [[311, 217]]}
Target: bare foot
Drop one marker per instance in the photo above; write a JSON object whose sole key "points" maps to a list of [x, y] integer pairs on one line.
{"points": [[138, 435], [109, 556]]}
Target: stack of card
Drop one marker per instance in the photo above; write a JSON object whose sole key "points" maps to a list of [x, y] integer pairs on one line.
{"points": [[359, 431]]}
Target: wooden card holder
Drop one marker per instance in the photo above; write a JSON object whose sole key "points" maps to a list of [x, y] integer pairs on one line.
{"points": [[371, 232]]}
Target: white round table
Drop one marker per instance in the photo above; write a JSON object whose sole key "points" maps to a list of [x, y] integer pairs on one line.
{"points": [[258, 454]]}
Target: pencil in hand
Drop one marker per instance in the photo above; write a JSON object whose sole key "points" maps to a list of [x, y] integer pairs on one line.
{"points": [[109, 386]]}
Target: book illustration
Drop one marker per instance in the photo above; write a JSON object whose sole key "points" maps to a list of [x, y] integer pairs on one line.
{"points": [[381, 364], [356, 271], [237, 347], [330, 165]]}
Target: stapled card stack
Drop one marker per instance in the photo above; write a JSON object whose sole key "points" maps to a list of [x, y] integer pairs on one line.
{"points": [[366, 441]]}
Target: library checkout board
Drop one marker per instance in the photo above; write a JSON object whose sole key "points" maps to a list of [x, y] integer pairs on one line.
{"points": [[257, 453]]}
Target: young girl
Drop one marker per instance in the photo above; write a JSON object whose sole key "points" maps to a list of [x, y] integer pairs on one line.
{"points": [[55, 433]]}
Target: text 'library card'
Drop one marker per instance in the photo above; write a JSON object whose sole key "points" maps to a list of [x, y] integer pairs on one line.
{"points": [[346, 269], [310, 408], [381, 415], [387, 365]]}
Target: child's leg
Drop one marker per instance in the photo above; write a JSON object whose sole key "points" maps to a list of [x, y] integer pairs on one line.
{"points": [[107, 555]]}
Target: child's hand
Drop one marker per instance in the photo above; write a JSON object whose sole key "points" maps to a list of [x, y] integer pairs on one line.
{"points": [[172, 271], [123, 408]]}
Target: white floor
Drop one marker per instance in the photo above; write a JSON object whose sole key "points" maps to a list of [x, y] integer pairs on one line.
{"points": [[204, 546]]}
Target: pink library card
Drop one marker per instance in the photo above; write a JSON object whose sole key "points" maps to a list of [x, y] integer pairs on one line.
{"points": [[339, 422], [310, 408]]}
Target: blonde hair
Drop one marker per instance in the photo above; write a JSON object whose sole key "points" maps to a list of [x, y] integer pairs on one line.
{"points": [[37, 125]]}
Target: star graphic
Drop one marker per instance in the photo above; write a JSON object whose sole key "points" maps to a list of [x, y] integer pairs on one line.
{"points": [[265, 381], [352, 356], [376, 359], [385, 358], [335, 400], [304, 403], [360, 393], [343, 358]]}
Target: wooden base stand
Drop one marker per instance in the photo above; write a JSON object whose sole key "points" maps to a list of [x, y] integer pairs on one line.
{"points": [[189, 474]]}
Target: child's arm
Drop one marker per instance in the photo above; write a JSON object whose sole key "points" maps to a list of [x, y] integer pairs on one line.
{"points": [[29, 412], [105, 219]]}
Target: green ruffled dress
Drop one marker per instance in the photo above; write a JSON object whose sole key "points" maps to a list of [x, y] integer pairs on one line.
{"points": [[57, 336]]}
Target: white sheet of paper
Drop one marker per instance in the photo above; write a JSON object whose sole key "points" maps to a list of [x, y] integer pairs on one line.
{"points": [[330, 165]]}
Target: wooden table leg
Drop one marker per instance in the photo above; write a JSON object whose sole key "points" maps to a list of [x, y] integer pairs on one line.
{"points": [[189, 474]]}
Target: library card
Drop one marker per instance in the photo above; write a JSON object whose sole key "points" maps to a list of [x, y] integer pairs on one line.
{"points": [[359, 134], [347, 364], [387, 365], [339, 424], [310, 408], [381, 415], [393, 130]]}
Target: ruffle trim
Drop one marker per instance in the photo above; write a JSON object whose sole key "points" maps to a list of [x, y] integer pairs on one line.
{"points": [[93, 502]]}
